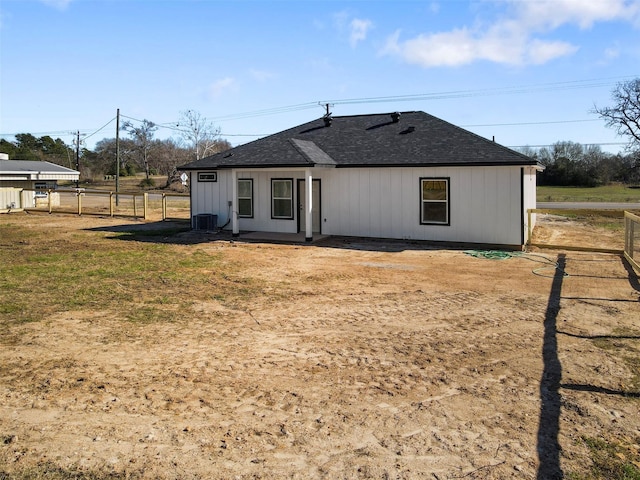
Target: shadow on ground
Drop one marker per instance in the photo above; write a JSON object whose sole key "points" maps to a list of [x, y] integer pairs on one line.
{"points": [[548, 445], [180, 233]]}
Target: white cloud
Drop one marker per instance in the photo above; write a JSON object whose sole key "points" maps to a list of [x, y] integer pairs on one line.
{"points": [[261, 75], [320, 64], [356, 28], [359, 29], [57, 4], [539, 52], [219, 86], [514, 39], [462, 47], [444, 49], [612, 53], [554, 13]]}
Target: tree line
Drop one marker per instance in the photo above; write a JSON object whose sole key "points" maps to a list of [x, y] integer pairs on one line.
{"points": [[573, 164], [139, 151]]}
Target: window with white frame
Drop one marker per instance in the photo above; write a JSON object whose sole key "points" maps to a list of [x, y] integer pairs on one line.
{"points": [[434, 201], [282, 198], [245, 197]]}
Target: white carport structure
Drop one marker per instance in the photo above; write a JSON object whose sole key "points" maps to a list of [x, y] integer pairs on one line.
{"points": [[28, 173], [21, 180]]}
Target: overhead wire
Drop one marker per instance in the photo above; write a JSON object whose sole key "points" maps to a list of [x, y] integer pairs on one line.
{"points": [[567, 85], [598, 144], [549, 122], [101, 128]]}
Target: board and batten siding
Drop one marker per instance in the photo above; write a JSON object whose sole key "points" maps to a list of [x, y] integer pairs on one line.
{"points": [[213, 197], [486, 203]]}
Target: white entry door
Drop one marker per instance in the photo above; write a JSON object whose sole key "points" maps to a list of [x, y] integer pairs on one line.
{"points": [[302, 204]]}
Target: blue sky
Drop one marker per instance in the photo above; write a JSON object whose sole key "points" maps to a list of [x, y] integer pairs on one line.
{"points": [[525, 71]]}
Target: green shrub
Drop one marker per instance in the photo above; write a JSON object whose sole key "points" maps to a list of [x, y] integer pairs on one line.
{"points": [[147, 183]]}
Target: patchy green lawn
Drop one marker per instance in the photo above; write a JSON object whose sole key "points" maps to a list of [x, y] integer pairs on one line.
{"points": [[607, 193]]}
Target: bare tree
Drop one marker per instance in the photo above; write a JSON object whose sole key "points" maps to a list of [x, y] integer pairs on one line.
{"points": [[106, 154], [143, 139], [201, 135], [168, 154], [624, 116]]}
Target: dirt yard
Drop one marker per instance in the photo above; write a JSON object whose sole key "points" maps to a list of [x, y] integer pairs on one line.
{"points": [[380, 360]]}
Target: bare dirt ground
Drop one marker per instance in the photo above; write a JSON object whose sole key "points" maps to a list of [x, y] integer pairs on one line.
{"points": [[384, 360]]}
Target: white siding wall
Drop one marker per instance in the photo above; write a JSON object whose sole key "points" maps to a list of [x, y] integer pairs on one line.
{"points": [[485, 202], [213, 197], [10, 198]]}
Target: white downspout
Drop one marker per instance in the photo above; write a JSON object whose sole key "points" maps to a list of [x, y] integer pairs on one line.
{"points": [[308, 217], [235, 226]]}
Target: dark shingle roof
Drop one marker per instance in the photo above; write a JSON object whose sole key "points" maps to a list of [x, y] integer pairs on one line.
{"points": [[417, 139]]}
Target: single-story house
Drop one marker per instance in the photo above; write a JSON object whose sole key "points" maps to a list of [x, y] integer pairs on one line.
{"points": [[33, 177], [405, 175]]}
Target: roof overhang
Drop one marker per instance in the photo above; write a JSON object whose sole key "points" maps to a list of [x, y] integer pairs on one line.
{"points": [[15, 177], [39, 176], [283, 168]]}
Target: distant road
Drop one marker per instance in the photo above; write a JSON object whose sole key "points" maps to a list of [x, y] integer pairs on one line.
{"points": [[589, 205]]}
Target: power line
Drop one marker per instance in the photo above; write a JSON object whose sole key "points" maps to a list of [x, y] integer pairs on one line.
{"points": [[550, 122], [570, 85], [159, 125], [545, 87], [58, 133], [599, 144], [555, 86], [267, 111], [101, 128], [244, 134]]}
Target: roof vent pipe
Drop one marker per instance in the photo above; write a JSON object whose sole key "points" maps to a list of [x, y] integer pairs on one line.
{"points": [[327, 120], [395, 117]]}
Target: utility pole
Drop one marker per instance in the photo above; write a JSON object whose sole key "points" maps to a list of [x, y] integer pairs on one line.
{"points": [[117, 156], [78, 158]]}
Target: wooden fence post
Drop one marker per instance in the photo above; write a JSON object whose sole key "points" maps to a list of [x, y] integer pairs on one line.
{"points": [[629, 228], [164, 206]]}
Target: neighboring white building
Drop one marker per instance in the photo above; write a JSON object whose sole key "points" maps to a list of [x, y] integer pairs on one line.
{"points": [[403, 175], [32, 177]]}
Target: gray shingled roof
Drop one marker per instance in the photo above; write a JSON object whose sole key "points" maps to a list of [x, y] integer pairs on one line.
{"points": [[32, 166], [416, 139]]}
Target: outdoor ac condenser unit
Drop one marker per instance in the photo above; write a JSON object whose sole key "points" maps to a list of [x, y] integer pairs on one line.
{"points": [[205, 221]]}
